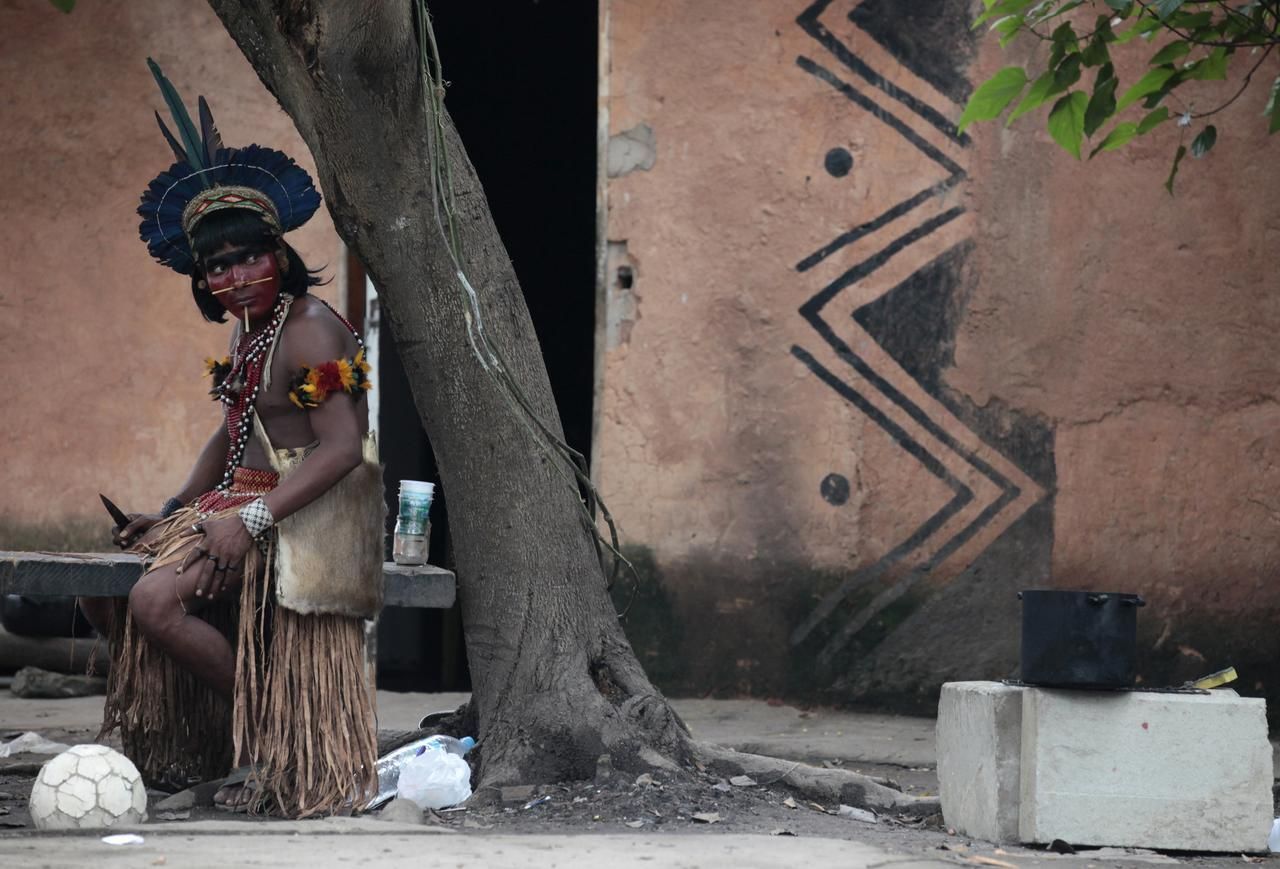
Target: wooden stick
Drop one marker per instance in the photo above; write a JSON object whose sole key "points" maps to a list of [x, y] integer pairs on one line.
{"points": [[242, 286]]}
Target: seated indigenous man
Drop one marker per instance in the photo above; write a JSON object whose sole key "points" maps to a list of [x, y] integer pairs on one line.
{"points": [[242, 644]]}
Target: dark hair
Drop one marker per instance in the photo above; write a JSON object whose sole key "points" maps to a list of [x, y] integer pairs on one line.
{"points": [[243, 228]]}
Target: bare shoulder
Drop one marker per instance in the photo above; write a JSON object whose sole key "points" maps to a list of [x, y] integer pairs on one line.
{"points": [[313, 334]]}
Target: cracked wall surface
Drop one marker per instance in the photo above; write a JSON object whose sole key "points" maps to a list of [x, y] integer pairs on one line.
{"points": [[105, 347], [887, 375]]}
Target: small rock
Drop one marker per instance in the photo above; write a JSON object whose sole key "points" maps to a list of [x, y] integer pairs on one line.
{"points": [[1058, 846], [742, 781], [707, 817], [790, 803], [33, 682], [605, 773], [723, 787], [178, 802], [644, 779], [635, 825], [517, 794], [401, 811], [577, 800], [781, 832], [173, 816], [857, 814]]}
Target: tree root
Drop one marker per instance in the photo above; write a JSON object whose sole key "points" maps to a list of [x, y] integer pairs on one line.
{"points": [[814, 783]]}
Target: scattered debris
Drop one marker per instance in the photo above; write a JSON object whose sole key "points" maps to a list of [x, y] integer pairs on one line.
{"points": [[31, 743], [401, 811], [517, 794], [857, 814], [635, 825], [644, 779], [723, 787], [33, 683], [539, 801], [790, 803], [173, 816], [742, 781], [781, 832], [990, 861], [124, 839], [178, 802], [707, 817]]}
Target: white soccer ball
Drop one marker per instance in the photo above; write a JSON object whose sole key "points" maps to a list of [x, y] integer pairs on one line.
{"points": [[87, 787]]}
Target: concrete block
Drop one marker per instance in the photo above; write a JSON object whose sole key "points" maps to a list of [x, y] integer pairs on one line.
{"points": [[1136, 769], [979, 738]]}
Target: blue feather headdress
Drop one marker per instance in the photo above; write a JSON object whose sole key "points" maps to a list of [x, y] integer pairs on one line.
{"points": [[209, 177]]}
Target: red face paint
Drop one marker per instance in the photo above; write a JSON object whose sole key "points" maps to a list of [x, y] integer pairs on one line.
{"points": [[244, 278]]}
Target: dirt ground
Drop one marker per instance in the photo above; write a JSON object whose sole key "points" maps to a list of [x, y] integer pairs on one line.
{"points": [[659, 806]]}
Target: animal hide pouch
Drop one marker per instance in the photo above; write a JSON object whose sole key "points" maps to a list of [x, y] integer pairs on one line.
{"points": [[329, 554]]}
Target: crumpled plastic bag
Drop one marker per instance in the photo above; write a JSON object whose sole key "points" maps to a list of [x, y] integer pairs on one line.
{"points": [[31, 743], [435, 779]]}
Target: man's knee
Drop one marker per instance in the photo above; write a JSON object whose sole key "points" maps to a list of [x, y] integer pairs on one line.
{"points": [[154, 606]]}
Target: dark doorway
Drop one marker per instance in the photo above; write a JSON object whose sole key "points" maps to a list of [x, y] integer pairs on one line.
{"points": [[522, 91]]}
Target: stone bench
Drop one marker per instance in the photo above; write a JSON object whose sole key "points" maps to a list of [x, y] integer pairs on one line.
{"points": [[1138, 769], [112, 574]]}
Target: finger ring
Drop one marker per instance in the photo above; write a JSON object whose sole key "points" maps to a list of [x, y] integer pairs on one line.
{"points": [[212, 558], [198, 528]]}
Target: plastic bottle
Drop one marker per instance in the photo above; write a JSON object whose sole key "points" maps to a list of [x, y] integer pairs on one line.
{"points": [[438, 777], [460, 747], [413, 528]]}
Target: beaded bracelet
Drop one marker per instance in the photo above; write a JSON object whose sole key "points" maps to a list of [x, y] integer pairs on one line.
{"points": [[257, 518]]}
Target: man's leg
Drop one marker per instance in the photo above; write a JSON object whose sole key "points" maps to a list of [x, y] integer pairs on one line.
{"points": [[163, 605]]}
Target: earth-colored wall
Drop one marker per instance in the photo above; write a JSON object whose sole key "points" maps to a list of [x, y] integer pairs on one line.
{"points": [[102, 348], [864, 378]]}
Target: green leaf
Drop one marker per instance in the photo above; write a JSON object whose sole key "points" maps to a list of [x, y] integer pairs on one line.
{"points": [[1102, 105], [1173, 173], [1064, 43], [1170, 53], [1066, 121], [1273, 106], [1149, 83], [1096, 53], [1008, 28], [1201, 144], [1067, 74], [990, 99], [1119, 136], [1165, 8], [1153, 120], [64, 5], [1041, 90], [1211, 68], [1124, 7]]}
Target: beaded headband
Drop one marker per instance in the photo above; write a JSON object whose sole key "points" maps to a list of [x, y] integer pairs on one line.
{"points": [[209, 177]]}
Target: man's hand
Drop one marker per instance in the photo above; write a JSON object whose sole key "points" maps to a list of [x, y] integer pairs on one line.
{"points": [[218, 554], [139, 524]]}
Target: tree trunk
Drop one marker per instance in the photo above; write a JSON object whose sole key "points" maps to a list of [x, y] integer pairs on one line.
{"points": [[556, 683]]}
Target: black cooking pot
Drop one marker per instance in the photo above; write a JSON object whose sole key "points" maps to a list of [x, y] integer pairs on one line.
{"points": [[1079, 639]]}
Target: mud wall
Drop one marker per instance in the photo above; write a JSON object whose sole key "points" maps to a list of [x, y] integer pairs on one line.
{"points": [[103, 348], [862, 378]]}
